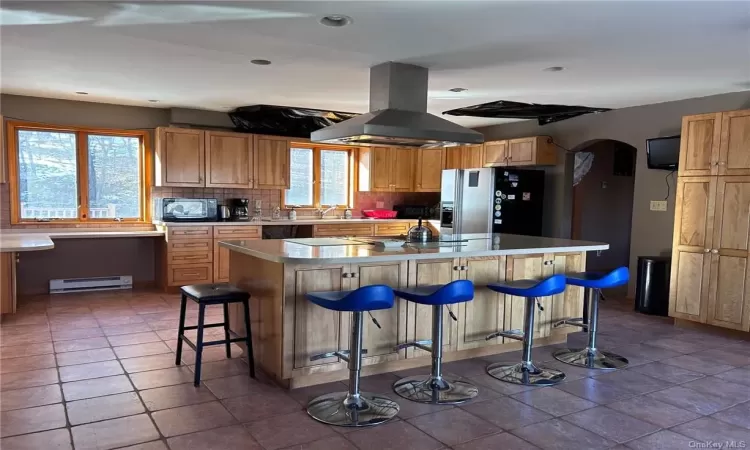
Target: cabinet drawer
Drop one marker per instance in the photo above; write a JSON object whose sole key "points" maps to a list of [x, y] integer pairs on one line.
{"points": [[391, 229], [192, 245], [237, 231], [343, 230], [190, 257], [174, 233], [189, 274]]}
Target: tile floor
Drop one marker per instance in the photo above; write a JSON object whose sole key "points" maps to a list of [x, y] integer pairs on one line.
{"points": [[97, 371]]}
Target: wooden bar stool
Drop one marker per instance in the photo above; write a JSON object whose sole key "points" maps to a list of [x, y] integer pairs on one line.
{"points": [[213, 294]]}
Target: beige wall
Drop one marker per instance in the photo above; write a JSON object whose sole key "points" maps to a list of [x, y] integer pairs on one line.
{"points": [[651, 232]]}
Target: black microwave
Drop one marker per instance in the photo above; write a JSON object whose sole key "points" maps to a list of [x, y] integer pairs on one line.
{"points": [[186, 209]]}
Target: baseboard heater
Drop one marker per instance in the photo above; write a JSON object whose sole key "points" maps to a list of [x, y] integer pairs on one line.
{"points": [[90, 284]]}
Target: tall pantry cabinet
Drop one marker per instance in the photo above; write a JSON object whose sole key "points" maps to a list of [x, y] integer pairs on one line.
{"points": [[710, 280]]}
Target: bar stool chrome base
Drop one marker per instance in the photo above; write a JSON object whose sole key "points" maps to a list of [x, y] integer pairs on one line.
{"points": [[526, 374], [590, 359], [346, 410], [437, 391]]}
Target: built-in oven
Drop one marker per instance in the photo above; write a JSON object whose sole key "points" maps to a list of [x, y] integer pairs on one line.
{"points": [[185, 209]]}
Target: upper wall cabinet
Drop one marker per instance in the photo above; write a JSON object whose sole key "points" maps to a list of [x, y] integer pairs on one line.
{"points": [[387, 169], [429, 169], [463, 157], [3, 152], [180, 156], [715, 144], [229, 160], [272, 162], [528, 151]]}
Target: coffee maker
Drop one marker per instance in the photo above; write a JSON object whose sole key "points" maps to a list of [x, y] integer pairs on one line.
{"points": [[240, 208]]}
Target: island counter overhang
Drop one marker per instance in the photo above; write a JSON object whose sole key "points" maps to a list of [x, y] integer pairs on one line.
{"points": [[287, 329]]}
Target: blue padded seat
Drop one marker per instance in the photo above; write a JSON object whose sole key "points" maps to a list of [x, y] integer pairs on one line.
{"points": [[598, 280], [531, 288], [367, 298], [442, 294]]}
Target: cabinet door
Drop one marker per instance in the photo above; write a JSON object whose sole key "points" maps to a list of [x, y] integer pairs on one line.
{"points": [[471, 156], [734, 149], [453, 158], [699, 145], [523, 267], [3, 153], [522, 152], [729, 294], [380, 169], [569, 303], [495, 153], [229, 160], [691, 244], [271, 162], [425, 273], [402, 171], [486, 313], [180, 157], [316, 329], [221, 263], [429, 169], [8, 282], [379, 342]]}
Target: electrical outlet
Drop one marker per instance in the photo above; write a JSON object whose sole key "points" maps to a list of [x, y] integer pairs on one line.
{"points": [[258, 204], [658, 205], [379, 205]]}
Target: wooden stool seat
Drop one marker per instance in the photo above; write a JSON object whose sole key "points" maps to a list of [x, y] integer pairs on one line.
{"points": [[206, 295]]}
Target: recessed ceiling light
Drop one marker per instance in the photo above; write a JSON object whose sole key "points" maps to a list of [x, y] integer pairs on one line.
{"points": [[554, 69], [336, 20], [261, 62], [458, 89], [153, 101], [82, 93]]}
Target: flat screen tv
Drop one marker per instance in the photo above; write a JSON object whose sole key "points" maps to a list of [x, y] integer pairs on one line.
{"points": [[663, 153]]}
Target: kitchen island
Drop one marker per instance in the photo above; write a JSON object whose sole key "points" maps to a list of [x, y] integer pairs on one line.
{"points": [[288, 329]]}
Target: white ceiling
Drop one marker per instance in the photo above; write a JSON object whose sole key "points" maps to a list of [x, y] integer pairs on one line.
{"points": [[616, 53]]}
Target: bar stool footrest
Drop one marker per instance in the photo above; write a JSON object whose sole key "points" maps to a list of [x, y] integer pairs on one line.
{"points": [[591, 359], [572, 321], [510, 334], [425, 345], [527, 374], [346, 410], [343, 354], [437, 391]]}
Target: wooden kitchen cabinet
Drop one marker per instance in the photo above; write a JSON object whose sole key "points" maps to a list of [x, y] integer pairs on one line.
{"points": [[699, 145], [221, 254], [734, 147], [570, 302], [429, 169], [179, 157], [453, 158], [495, 153], [531, 151], [380, 168], [729, 277], [340, 230], [271, 160], [463, 157], [8, 261], [486, 313], [387, 169], [229, 160], [524, 267], [391, 228], [3, 153], [403, 165]]}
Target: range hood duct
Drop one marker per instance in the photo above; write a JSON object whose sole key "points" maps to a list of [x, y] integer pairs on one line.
{"points": [[398, 114]]}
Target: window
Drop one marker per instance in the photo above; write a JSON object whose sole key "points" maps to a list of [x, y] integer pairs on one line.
{"points": [[75, 175], [319, 177]]}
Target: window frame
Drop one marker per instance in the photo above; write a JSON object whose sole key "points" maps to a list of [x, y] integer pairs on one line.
{"points": [[317, 149], [145, 171]]}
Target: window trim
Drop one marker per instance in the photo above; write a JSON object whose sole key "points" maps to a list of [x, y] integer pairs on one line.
{"points": [[145, 171], [316, 149]]}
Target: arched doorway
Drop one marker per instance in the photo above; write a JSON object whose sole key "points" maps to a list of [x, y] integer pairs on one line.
{"points": [[603, 202]]}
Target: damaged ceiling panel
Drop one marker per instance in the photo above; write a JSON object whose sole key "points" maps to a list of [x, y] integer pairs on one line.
{"points": [[504, 109]]}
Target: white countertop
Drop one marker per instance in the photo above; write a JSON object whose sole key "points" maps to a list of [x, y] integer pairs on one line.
{"points": [[301, 221], [283, 251], [41, 239]]}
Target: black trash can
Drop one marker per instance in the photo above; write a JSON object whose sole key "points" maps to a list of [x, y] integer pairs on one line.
{"points": [[652, 288]]}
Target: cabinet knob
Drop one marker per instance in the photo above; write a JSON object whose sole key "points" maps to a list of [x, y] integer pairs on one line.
{"points": [[714, 251], [345, 275], [722, 163], [456, 267], [355, 275], [706, 250]]}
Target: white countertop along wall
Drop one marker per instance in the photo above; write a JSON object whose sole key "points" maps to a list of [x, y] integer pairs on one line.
{"points": [[41, 239], [286, 252], [302, 221]]}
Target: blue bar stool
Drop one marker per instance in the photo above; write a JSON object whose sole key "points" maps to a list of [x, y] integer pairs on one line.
{"points": [[526, 372], [434, 388], [591, 357], [353, 408]]}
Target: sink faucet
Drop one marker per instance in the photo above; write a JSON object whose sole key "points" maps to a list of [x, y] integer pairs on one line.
{"points": [[323, 212]]}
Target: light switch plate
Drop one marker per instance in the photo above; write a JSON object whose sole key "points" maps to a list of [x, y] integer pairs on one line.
{"points": [[379, 205], [658, 205]]}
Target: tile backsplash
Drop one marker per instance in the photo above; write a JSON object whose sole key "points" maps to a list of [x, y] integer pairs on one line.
{"points": [[270, 198]]}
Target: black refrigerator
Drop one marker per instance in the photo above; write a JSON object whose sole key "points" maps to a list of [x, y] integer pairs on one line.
{"points": [[518, 201]]}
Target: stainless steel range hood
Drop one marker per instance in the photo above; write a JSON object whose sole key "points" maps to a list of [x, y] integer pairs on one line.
{"points": [[398, 114]]}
